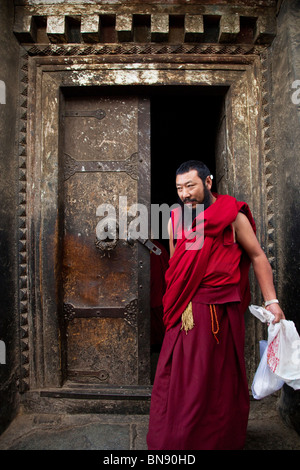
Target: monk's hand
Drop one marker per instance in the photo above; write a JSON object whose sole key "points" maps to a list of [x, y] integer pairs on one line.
{"points": [[277, 312]]}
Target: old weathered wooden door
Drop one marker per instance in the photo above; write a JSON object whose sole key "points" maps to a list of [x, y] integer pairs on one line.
{"points": [[105, 159]]}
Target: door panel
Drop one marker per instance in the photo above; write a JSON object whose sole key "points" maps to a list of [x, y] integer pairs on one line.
{"points": [[105, 298]]}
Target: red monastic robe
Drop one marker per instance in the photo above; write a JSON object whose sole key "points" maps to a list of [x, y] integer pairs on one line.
{"points": [[200, 397], [159, 265]]}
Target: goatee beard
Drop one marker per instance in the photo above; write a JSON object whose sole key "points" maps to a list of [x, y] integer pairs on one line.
{"points": [[207, 201], [195, 211]]}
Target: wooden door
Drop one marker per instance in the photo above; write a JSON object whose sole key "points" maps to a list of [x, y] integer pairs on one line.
{"points": [[105, 160]]}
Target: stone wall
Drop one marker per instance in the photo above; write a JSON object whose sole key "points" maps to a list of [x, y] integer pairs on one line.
{"points": [[286, 144], [9, 53]]}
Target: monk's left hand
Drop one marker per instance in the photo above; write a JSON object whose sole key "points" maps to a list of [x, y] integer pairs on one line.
{"points": [[277, 312]]}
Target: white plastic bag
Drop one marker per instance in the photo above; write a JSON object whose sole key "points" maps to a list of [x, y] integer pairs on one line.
{"points": [[265, 382], [283, 350]]}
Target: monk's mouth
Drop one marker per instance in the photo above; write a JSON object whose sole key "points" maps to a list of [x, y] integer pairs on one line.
{"points": [[190, 201]]}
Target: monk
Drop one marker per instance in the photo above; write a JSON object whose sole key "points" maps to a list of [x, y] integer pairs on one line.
{"points": [[200, 397]]}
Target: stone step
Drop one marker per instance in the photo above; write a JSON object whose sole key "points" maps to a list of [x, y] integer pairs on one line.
{"points": [[266, 431]]}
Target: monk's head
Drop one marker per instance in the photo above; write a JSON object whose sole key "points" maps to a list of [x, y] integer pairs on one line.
{"points": [[193, 183]]}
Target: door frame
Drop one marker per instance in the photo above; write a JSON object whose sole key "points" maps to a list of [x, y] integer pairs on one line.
{"points": [[246, 161]]}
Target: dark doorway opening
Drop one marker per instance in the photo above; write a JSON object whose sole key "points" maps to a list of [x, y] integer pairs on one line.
{"points": [[184, 126]]}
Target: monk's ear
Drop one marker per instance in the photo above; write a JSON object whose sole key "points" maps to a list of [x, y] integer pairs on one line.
{"points": [[208, 182]]}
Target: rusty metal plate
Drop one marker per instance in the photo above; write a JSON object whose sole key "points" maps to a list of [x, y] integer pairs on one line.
{"points": [[102, 351], [112, 138], [89, 278]]}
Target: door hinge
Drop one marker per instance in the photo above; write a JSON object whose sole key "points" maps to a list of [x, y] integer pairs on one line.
{"points": [[98, 114]]}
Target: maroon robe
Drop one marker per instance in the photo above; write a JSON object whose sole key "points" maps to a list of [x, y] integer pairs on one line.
{"points": [[159, 265], [200, 396]]}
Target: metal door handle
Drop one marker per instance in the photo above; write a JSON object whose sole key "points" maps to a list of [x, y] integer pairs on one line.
{"points": [[107, 244]]}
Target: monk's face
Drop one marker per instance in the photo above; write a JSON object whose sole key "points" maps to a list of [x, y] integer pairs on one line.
{"points": [[191, 190]]}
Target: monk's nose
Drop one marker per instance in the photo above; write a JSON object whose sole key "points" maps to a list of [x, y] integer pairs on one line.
{"points": [[185, 193]]}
